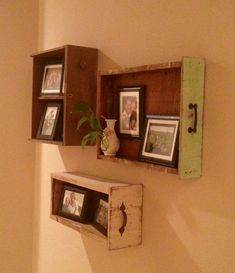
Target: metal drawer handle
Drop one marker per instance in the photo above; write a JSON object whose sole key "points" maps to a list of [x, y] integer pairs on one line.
{"points": [[193, 129], [122, 228]]}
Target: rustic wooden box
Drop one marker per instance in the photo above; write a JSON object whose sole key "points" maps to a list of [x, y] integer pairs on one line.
{"points": [[131, 196], [169, 90]]}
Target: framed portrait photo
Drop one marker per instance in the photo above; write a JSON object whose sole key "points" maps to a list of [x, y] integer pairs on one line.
{"points": [[73, 203], [131, 111], [160, 143], [52, 79], [100, 221], [49, 121]]}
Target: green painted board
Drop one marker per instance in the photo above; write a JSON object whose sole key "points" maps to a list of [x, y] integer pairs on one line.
{"points": [[192, 91]]}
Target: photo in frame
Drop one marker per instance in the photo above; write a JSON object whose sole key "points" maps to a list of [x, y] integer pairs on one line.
{"points": [[49, 121], [160, 143], [52, 81], [100, 221], [131, 111], [73, 203]]}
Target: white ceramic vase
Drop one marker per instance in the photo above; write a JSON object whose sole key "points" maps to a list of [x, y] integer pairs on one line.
{"points": [[109, 142]]}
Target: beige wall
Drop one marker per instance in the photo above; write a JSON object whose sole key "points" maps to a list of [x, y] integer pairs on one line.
{"points": [[188, 226], [18, 32]]}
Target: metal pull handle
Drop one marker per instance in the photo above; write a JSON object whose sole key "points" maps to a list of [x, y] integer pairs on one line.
{"points": [[122, 209], [193, 129]]}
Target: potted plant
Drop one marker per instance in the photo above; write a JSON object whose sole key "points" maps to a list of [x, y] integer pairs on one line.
{"points": [[109, 142]]}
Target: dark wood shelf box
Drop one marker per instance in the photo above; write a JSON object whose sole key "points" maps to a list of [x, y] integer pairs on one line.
{"points": [[79, 83]]}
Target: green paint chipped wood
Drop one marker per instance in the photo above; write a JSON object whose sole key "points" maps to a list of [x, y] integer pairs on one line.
{"points": [[192, 91]]}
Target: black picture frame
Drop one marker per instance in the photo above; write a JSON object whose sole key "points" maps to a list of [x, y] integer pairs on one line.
{"points": [[49, 121], [130, 111], [52, 80], [100, 221], [160, 142], [73, 203]]}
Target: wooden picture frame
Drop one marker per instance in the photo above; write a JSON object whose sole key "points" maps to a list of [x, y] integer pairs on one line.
{"points": [[160, 143], [131, 111], [49, 121], [52, 81], [100, 221], [73, 203]]}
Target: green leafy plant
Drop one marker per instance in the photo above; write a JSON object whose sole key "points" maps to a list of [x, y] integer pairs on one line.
{"points": [[90, 118]]}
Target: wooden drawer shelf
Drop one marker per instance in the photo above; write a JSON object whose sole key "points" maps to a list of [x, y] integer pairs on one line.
{"points": [[130, 221], [79, 83], [169, 89]]}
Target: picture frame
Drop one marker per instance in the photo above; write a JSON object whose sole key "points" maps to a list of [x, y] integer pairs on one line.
{"points": [[100, 221], [131, 111], [49, 121], [52, 81], [160, 142], [73, 203]]}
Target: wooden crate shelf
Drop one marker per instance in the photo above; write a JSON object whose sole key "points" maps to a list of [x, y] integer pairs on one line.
{"points": [[79, 83], [118, 193], [169, 89]]}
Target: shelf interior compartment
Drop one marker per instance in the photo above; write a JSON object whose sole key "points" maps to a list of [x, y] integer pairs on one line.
{"points": [[162, 97], [87, 227]]}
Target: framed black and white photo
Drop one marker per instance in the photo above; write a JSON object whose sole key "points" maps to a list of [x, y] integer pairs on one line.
{"points": [[73, 203], [131, 111], [49, 121], [52, 79], [160, 143], [101, 215]]}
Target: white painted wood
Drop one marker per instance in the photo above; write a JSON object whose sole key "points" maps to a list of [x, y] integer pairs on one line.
{"points": [[131, 196]]}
